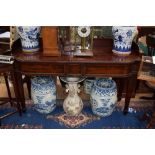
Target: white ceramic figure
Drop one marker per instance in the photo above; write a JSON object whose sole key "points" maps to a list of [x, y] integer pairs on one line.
{"points": [[43, 92], [103, 97], [29, 36], [123, 37]]}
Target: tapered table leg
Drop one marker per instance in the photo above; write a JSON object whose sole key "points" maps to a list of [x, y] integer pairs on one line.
{"points": [[120, 87], [8, 89], [19, 84], [16, 91], [130, 88]]}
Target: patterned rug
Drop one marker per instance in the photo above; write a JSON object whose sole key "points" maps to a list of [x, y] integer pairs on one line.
{"points": [[73, 121], [32, 119]]}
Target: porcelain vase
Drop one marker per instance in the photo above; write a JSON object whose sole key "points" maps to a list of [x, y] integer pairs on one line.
{"points": [[88, 84], [73, 103], [29, 36], [122, 39], [43, 92], [103, 97]]}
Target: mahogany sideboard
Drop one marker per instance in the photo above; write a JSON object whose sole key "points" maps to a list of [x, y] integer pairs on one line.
{"points": [[104, 63]]}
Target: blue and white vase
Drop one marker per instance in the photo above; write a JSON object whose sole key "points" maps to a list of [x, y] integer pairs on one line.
{"points": [[29, 36], [88, 84], [43, 92], [123, 37], [103, 97]]}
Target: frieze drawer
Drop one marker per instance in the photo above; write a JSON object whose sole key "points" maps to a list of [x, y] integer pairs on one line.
{"points": [[43, 68], [73, 69], [108, 70]]}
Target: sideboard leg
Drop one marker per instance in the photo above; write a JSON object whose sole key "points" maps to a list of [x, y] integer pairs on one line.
{"points": [[120, 87], [8, 89], [16, 91], [127, 96], [130, 87], [21, 90]]}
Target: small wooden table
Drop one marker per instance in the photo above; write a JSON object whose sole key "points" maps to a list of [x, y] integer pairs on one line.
{"points": [[5, 70], [104, 63]]}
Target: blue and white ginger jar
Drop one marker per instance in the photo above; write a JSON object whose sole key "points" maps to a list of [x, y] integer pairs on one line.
{"points": [[103, 97], [88, 84], [29, 36], [43, 92], [123, 37]]}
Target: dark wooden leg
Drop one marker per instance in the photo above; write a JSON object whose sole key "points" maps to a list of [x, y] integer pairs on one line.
{"points": [[8, 89], [16, 90], [127, 96], [137, 85], [120, 86], [19, 85], [120, 89], [130, 88], [28, 82]]}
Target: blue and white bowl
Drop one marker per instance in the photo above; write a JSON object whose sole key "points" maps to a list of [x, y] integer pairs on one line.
{"points": [[29, 36], [123, 37], [103, 97], [43, 92]]}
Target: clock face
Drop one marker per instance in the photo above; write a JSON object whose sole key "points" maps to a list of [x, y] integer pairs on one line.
{"points": [[83, 31]]}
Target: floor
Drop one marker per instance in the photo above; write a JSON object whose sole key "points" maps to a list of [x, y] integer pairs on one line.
{"points": [[61, 94]]}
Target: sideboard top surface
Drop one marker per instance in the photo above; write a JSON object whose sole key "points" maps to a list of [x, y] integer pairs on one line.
{"points": [[102, 54]]}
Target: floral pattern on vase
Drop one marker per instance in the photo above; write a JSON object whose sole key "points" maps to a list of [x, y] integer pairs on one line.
{"points": [[43, 92], [29, 36], [103, 97], [123, 37]]}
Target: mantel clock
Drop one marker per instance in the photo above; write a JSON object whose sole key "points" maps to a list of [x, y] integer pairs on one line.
{"points": [[81, 39]]}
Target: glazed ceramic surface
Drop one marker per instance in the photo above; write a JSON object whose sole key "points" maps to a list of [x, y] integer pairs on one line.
{"points": [[72, 104], [88, 84], [29, 36], [103, 97], [43, 92], [123, 37]]}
